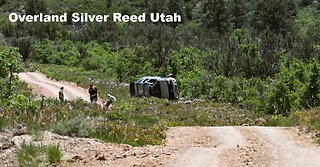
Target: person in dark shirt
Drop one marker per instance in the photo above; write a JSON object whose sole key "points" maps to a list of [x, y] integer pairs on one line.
{"points": [[93, 91], [61, 94]]}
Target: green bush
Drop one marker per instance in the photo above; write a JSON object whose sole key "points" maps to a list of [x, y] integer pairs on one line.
{"points": [[289, 87], [312, 94]]}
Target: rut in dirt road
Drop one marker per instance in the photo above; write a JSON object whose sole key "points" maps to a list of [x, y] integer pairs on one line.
{"points": [[289, 149], [248, 146], [42, 85]]}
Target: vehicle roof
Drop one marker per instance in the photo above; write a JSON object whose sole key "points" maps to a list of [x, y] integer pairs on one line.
{"points": [[141, 80]]}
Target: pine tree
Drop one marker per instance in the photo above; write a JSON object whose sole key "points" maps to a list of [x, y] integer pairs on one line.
{"points": [[176, 6], [155, 6], [306, 2], [276, 15], [2, 2], [238, 11], [36, 6], [215, 15]]}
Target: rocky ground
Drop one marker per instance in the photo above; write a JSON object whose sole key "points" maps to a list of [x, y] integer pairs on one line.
{"points": [[185, 146], [92, 152]]}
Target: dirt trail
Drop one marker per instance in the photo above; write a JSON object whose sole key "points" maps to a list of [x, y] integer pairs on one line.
{"points": [[288, 149], [248, 146], [197, 146], [42, 85]]}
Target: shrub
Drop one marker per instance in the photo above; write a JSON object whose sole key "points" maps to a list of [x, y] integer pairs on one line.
{"points": [[312, 93], [78, 126], [280, 120], [287, 92]]}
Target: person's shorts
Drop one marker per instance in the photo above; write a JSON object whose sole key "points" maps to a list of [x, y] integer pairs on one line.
{"points": [[108, 103], [94, 99]]}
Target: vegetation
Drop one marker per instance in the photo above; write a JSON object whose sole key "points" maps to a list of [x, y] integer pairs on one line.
{"points": [[3, 123], [246, 59], [54, 154], [9, 65], [29, 155], [32, 155]]}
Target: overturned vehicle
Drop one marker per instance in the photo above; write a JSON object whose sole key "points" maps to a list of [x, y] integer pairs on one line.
{"points": [[161, 87]]}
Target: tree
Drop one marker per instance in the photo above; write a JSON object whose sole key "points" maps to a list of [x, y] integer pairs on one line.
{"points": [[306, 2], [156, 6], [215, 15], [238, 10], [289, 87], [36, 6], [109, 3], [162, 43], [188, 11], [188, 66], [9, 63], [25, 46], [2, 2], [312, 94], [176, 6], [276, 15]]}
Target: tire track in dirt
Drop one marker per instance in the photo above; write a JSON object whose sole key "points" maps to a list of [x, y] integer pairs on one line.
{"points": [[190, 140], [255, 151], [289, 150], [249, 147], [225, 137]]}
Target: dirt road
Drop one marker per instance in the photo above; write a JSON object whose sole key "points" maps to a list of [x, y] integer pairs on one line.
{"points": [[197, 146], [42, 85], [243, 146]]}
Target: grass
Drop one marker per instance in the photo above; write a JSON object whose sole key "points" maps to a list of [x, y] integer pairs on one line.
{"points": [[23, 89], [54, 154], [29, 155], [36, 132], [3, 123]]}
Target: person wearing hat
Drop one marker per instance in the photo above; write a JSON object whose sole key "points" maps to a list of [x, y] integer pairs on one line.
{"points": [[111, 100]]}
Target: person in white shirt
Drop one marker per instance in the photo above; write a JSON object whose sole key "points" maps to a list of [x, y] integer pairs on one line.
{"points": [[110, 101]]}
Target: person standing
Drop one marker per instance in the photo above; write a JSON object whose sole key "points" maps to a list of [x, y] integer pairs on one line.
{"points": [[93, 91], [61, 94]]}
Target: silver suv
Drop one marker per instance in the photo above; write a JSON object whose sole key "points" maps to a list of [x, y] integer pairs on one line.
{"points": [[162, 87]]}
